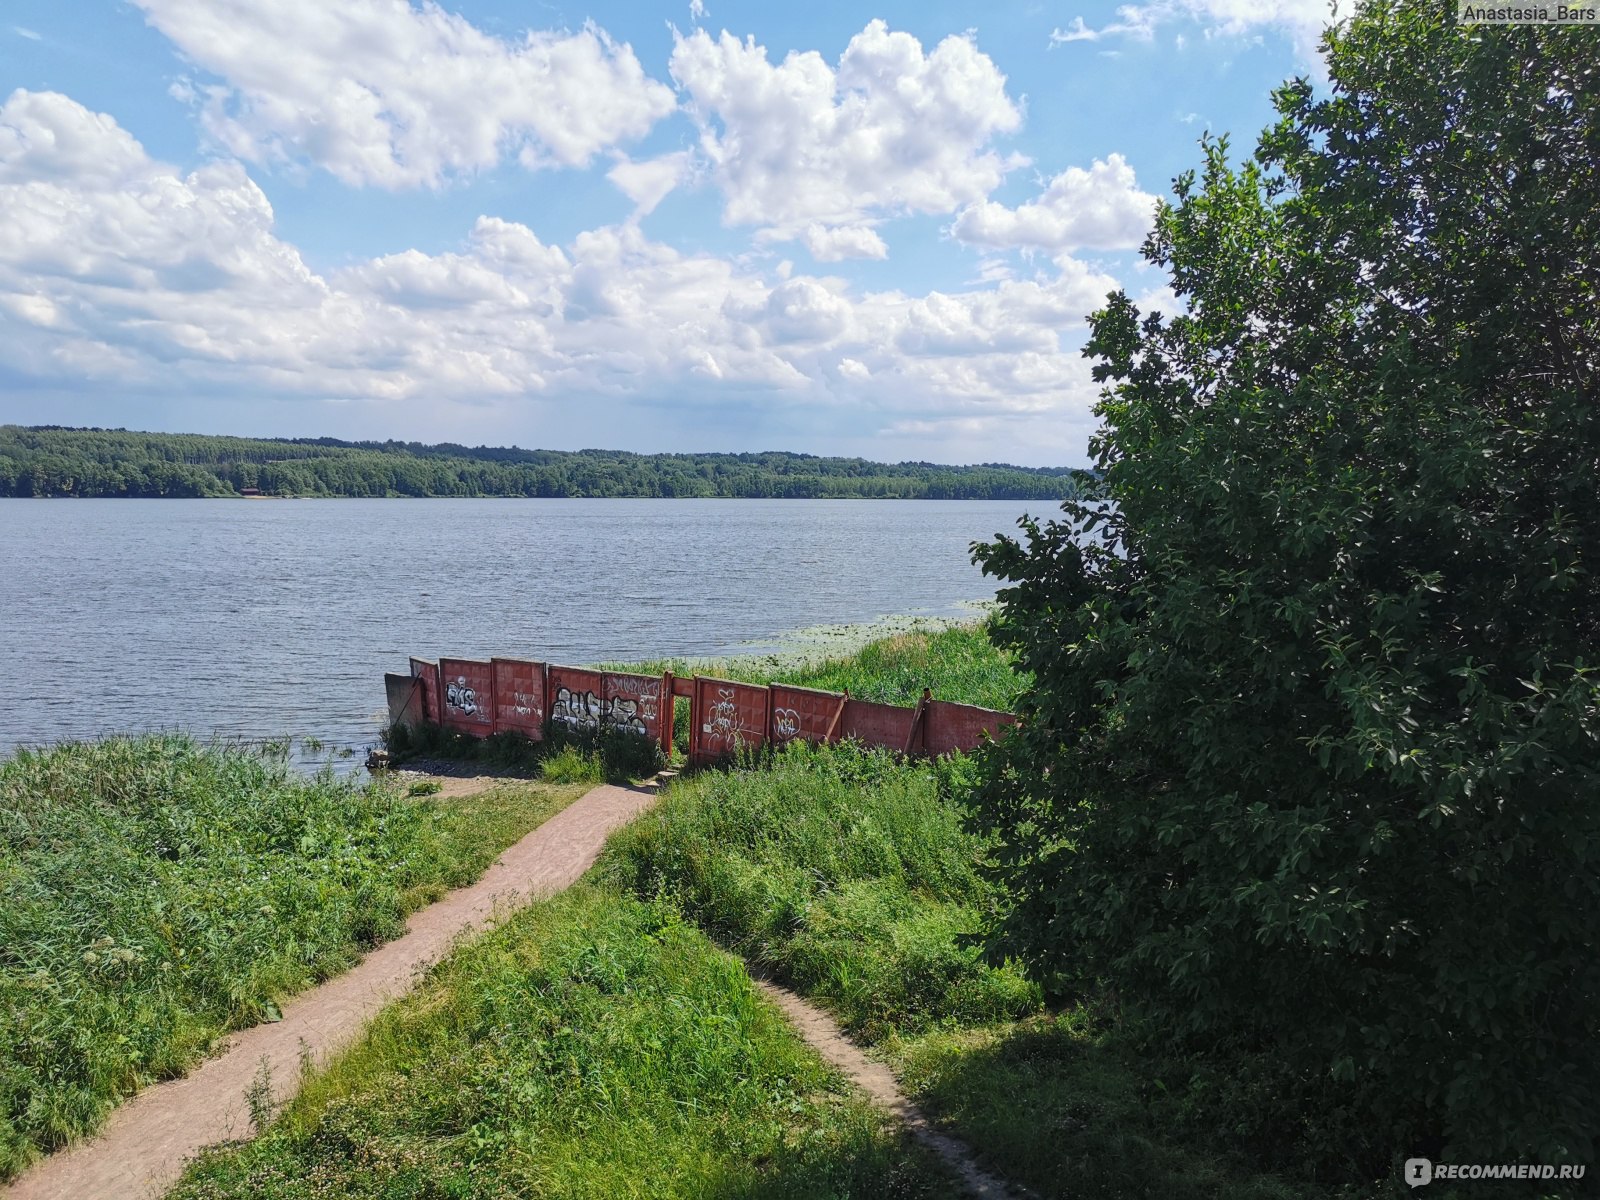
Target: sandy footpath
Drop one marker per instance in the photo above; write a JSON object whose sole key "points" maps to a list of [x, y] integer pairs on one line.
{"points": [[143, 1148], [822, 1033]]}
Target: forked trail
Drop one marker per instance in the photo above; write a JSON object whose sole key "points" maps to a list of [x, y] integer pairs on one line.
{"points": [[145, 1144]]}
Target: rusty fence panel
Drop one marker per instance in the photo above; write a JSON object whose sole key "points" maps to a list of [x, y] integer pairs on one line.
{"points": [[725, 716], [428, 672], [481, 697], [404, 696], [805, 714], [632, 703], [961, 726], [878, 724], [519, 696], [468, 695], [573, 698]]}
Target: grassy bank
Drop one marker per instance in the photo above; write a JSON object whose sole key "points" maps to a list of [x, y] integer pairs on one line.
{"points": [[155, 893], [958, 662], [849, 875], [593, 1046], [601, 1043]]}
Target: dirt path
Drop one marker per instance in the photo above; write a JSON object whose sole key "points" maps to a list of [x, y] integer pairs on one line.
{"points": [[824, 1036], [143, 1148]]}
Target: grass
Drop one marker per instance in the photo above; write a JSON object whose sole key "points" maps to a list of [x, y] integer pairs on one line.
{"points": [[155, 893], [578, 757], [842, 870], [958, 662], [594, 1045], [848, 874]]}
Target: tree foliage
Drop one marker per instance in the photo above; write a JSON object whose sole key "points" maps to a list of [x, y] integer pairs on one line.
{"points": [[51, 461], [1310, 768]]}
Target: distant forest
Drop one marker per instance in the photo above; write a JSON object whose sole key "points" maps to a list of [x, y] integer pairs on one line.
{"points": [[50, 460]]}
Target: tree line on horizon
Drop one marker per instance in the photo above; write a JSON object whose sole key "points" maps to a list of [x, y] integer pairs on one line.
{"points": [[59, 461]]}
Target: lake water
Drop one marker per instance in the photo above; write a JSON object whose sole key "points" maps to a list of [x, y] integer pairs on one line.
{"points": [[259, 619]]}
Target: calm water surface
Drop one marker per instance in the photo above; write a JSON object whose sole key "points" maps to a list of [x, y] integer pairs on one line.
{"points": [[263, 618]]}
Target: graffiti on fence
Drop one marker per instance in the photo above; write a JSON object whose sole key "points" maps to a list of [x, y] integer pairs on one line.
{"points": [[785, 724], [722, 718], [807, 713], [478, 698], [519, 696], [728, 716], [468, 686], [631, 703], [578, 711], [458, 695]]}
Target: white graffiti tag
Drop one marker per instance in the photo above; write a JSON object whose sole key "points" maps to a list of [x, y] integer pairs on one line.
{"points": [[722, 724], [785, 723], [459, 695]]}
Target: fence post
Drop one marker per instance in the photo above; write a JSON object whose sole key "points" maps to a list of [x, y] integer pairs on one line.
{"points": [[838, 716], [918, 719], [669, 714]]}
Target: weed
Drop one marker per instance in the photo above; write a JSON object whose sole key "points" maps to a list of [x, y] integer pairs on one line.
{"points": [[258, 1098]]}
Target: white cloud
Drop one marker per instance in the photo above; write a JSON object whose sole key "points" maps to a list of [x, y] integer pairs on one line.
{"points": [[1101, 209], [800, 144], [697, 10], [841, 242], [24, 32], [44, 136], [1301, 20], [648, 183], [120, 274], [380, 92]]}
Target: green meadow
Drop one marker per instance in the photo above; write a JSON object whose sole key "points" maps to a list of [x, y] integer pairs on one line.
{"points": [[156, 893]]}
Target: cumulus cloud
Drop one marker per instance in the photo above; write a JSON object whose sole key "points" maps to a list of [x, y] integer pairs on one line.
{"points": [[805, 149], [1099, 209], [46, 136], [121, 273], [379, 92], [841, 242]]}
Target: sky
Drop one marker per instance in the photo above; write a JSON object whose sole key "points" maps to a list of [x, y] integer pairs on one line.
{"points": [[702, 225]]}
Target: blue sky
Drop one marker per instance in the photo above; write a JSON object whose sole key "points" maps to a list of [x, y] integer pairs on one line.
{"points": [[697, 226]]}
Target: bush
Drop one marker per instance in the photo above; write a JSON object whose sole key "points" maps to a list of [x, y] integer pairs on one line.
{"points": [[1308, 771]]}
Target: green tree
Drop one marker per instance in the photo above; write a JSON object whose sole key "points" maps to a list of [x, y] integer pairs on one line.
{"points": [[1310, 769]]}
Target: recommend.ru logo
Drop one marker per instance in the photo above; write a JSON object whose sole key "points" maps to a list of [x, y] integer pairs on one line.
{"points": [[1419, 1171]]}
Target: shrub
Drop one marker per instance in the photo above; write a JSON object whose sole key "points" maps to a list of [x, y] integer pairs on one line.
{"points": [[1309, 768]]}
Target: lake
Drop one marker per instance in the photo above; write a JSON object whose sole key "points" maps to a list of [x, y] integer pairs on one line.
{"points": [[257, 619]]}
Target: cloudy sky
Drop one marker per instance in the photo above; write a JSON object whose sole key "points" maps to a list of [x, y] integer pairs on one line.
{"points": [[705, 225]]}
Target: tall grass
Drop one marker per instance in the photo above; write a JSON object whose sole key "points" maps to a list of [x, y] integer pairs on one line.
{"points": [[957, 662], [594, 1046], [155, 893], [848, 873], [840, 869]]}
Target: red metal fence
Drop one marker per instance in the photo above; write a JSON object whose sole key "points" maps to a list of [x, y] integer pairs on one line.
{"points": [[468, 695], [481, 698]]}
